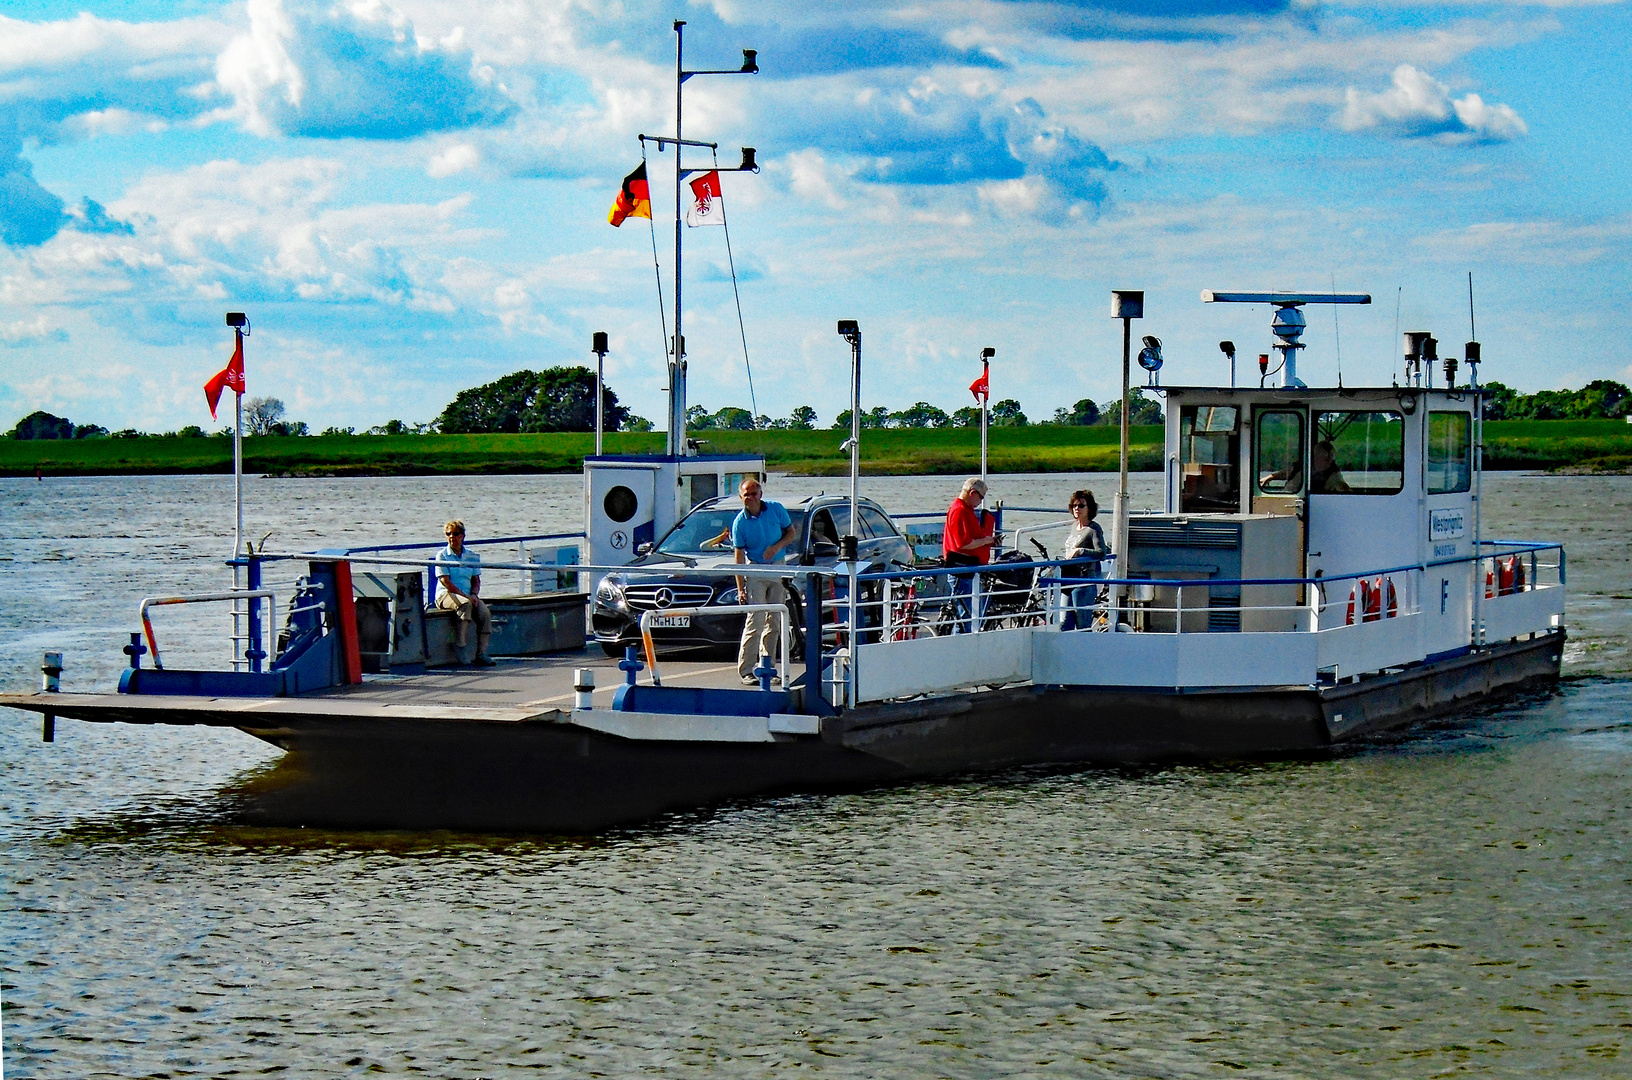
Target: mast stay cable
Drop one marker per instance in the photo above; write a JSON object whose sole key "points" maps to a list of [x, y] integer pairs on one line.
{"points": [[657, 269], [741, 329]]}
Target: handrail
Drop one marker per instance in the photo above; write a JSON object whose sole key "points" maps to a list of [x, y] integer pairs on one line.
{"points": [[196, 598], [468, 543], [1031, 564], [778, 610], [787, 570]]}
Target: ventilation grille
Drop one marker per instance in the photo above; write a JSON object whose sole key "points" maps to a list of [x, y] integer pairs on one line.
{"points": [[1198, 534]]}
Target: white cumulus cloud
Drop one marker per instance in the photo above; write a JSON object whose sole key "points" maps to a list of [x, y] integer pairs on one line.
{"points": [[455, 159], [351, 72], [1420, 106]]}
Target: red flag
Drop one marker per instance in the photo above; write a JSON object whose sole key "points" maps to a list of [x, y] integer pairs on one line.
{"points": [[982, 387], [232, 375]]}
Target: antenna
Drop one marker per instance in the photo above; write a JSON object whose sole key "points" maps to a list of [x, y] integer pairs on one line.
{"points": [[1398, 293], [1471, 351], [1472, 333], [1337, 335]]}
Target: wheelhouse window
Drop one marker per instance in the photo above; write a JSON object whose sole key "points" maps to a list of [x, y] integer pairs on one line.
{"points": [[1209, 459], [1277, 452], [1357, 453], [1450, 452]]}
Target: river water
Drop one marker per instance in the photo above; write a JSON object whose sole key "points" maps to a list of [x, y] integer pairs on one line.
{"points": [[1453, 899]]}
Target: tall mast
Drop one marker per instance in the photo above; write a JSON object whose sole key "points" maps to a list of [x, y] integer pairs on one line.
{"points": [[677, 354], [677, 347]]}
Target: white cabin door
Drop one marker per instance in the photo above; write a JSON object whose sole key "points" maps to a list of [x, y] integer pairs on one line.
{"points": [[1279, 454]]}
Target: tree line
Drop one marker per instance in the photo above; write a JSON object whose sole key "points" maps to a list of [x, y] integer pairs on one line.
{"points": [[1004, 413], [1600, 399], [563, 399]]}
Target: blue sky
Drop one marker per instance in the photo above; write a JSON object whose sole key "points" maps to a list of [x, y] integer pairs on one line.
{"points": [[410, 198]]}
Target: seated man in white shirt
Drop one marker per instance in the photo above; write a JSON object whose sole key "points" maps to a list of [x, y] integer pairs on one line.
{"points": [[458, 585]]}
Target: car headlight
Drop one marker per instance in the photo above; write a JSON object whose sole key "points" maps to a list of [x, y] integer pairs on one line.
{"points": [[727, 596], [609, 593]]}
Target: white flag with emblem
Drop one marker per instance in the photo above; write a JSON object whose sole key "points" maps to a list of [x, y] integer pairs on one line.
{"points": [[707, 209]]}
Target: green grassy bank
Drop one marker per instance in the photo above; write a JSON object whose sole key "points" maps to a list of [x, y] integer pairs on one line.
{"points": [[1584, 445]]}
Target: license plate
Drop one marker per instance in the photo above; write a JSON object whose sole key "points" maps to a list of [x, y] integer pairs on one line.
{"points": [[670, 622]]}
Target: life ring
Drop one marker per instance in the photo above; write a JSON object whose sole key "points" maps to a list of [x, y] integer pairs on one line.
{"points": [[1505, 574], [1518, 574], [1374, 601], [1366, 595]]}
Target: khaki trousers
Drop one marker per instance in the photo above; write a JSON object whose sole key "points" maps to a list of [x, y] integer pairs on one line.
{"points": [[469, 609], [759, 631]]}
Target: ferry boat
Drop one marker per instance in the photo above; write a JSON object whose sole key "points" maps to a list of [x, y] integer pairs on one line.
{"points": [[1317, 571]]}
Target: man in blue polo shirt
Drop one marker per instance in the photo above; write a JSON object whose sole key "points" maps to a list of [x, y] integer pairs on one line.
{"points": [[760, 532], [458, 583]]}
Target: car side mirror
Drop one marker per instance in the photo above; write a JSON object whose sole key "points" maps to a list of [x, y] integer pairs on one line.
{"points": [[643, 549], [824, 551]]}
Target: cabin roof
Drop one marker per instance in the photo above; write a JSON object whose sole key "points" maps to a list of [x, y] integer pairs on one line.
{"points": [[1296, 393]]}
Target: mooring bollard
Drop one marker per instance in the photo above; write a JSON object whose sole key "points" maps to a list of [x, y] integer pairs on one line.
{"points": [[50, 683], [583, 685], [765, 670], [630, 663], [135, 650]]}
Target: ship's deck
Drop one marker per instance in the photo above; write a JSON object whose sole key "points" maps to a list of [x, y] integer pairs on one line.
{"points": [[516, 689]]}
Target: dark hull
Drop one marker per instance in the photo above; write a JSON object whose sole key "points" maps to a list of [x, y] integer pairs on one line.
{"points": [[559, 778]]}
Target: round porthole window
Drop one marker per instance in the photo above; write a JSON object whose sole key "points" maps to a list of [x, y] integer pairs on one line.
{"points": [[620, 504]]}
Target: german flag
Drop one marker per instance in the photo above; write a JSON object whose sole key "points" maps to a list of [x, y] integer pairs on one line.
{"points": [[634, 200]]}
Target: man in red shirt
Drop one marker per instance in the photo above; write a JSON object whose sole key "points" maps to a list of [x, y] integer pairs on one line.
{"points": [[967, 540]]}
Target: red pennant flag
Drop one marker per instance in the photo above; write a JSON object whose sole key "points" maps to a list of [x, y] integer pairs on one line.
{"points": [[982, 387], [232, 375]]}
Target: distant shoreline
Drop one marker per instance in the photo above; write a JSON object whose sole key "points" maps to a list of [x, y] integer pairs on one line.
{"points": [[1575, 446]]}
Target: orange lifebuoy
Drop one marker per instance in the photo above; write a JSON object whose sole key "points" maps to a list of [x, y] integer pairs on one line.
{"points": [[1374, 600], [1504, 575], [1490, 585], [1393, 601]]}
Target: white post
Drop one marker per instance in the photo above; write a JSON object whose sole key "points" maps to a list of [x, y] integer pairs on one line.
{"points": [[1126, 305], [238, 474], [985, 413]]}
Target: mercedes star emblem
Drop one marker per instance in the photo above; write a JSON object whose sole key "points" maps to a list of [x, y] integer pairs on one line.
{"points": [[664, 597]]}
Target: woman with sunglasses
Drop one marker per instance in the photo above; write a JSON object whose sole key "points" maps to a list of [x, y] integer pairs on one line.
{"points": [[1085, 542]]}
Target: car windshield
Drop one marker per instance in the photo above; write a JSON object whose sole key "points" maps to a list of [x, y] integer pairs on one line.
{"points": [[706, 531]]}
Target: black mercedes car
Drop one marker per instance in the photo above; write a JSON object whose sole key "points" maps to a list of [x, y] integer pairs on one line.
{"points": [[663, 577]]}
